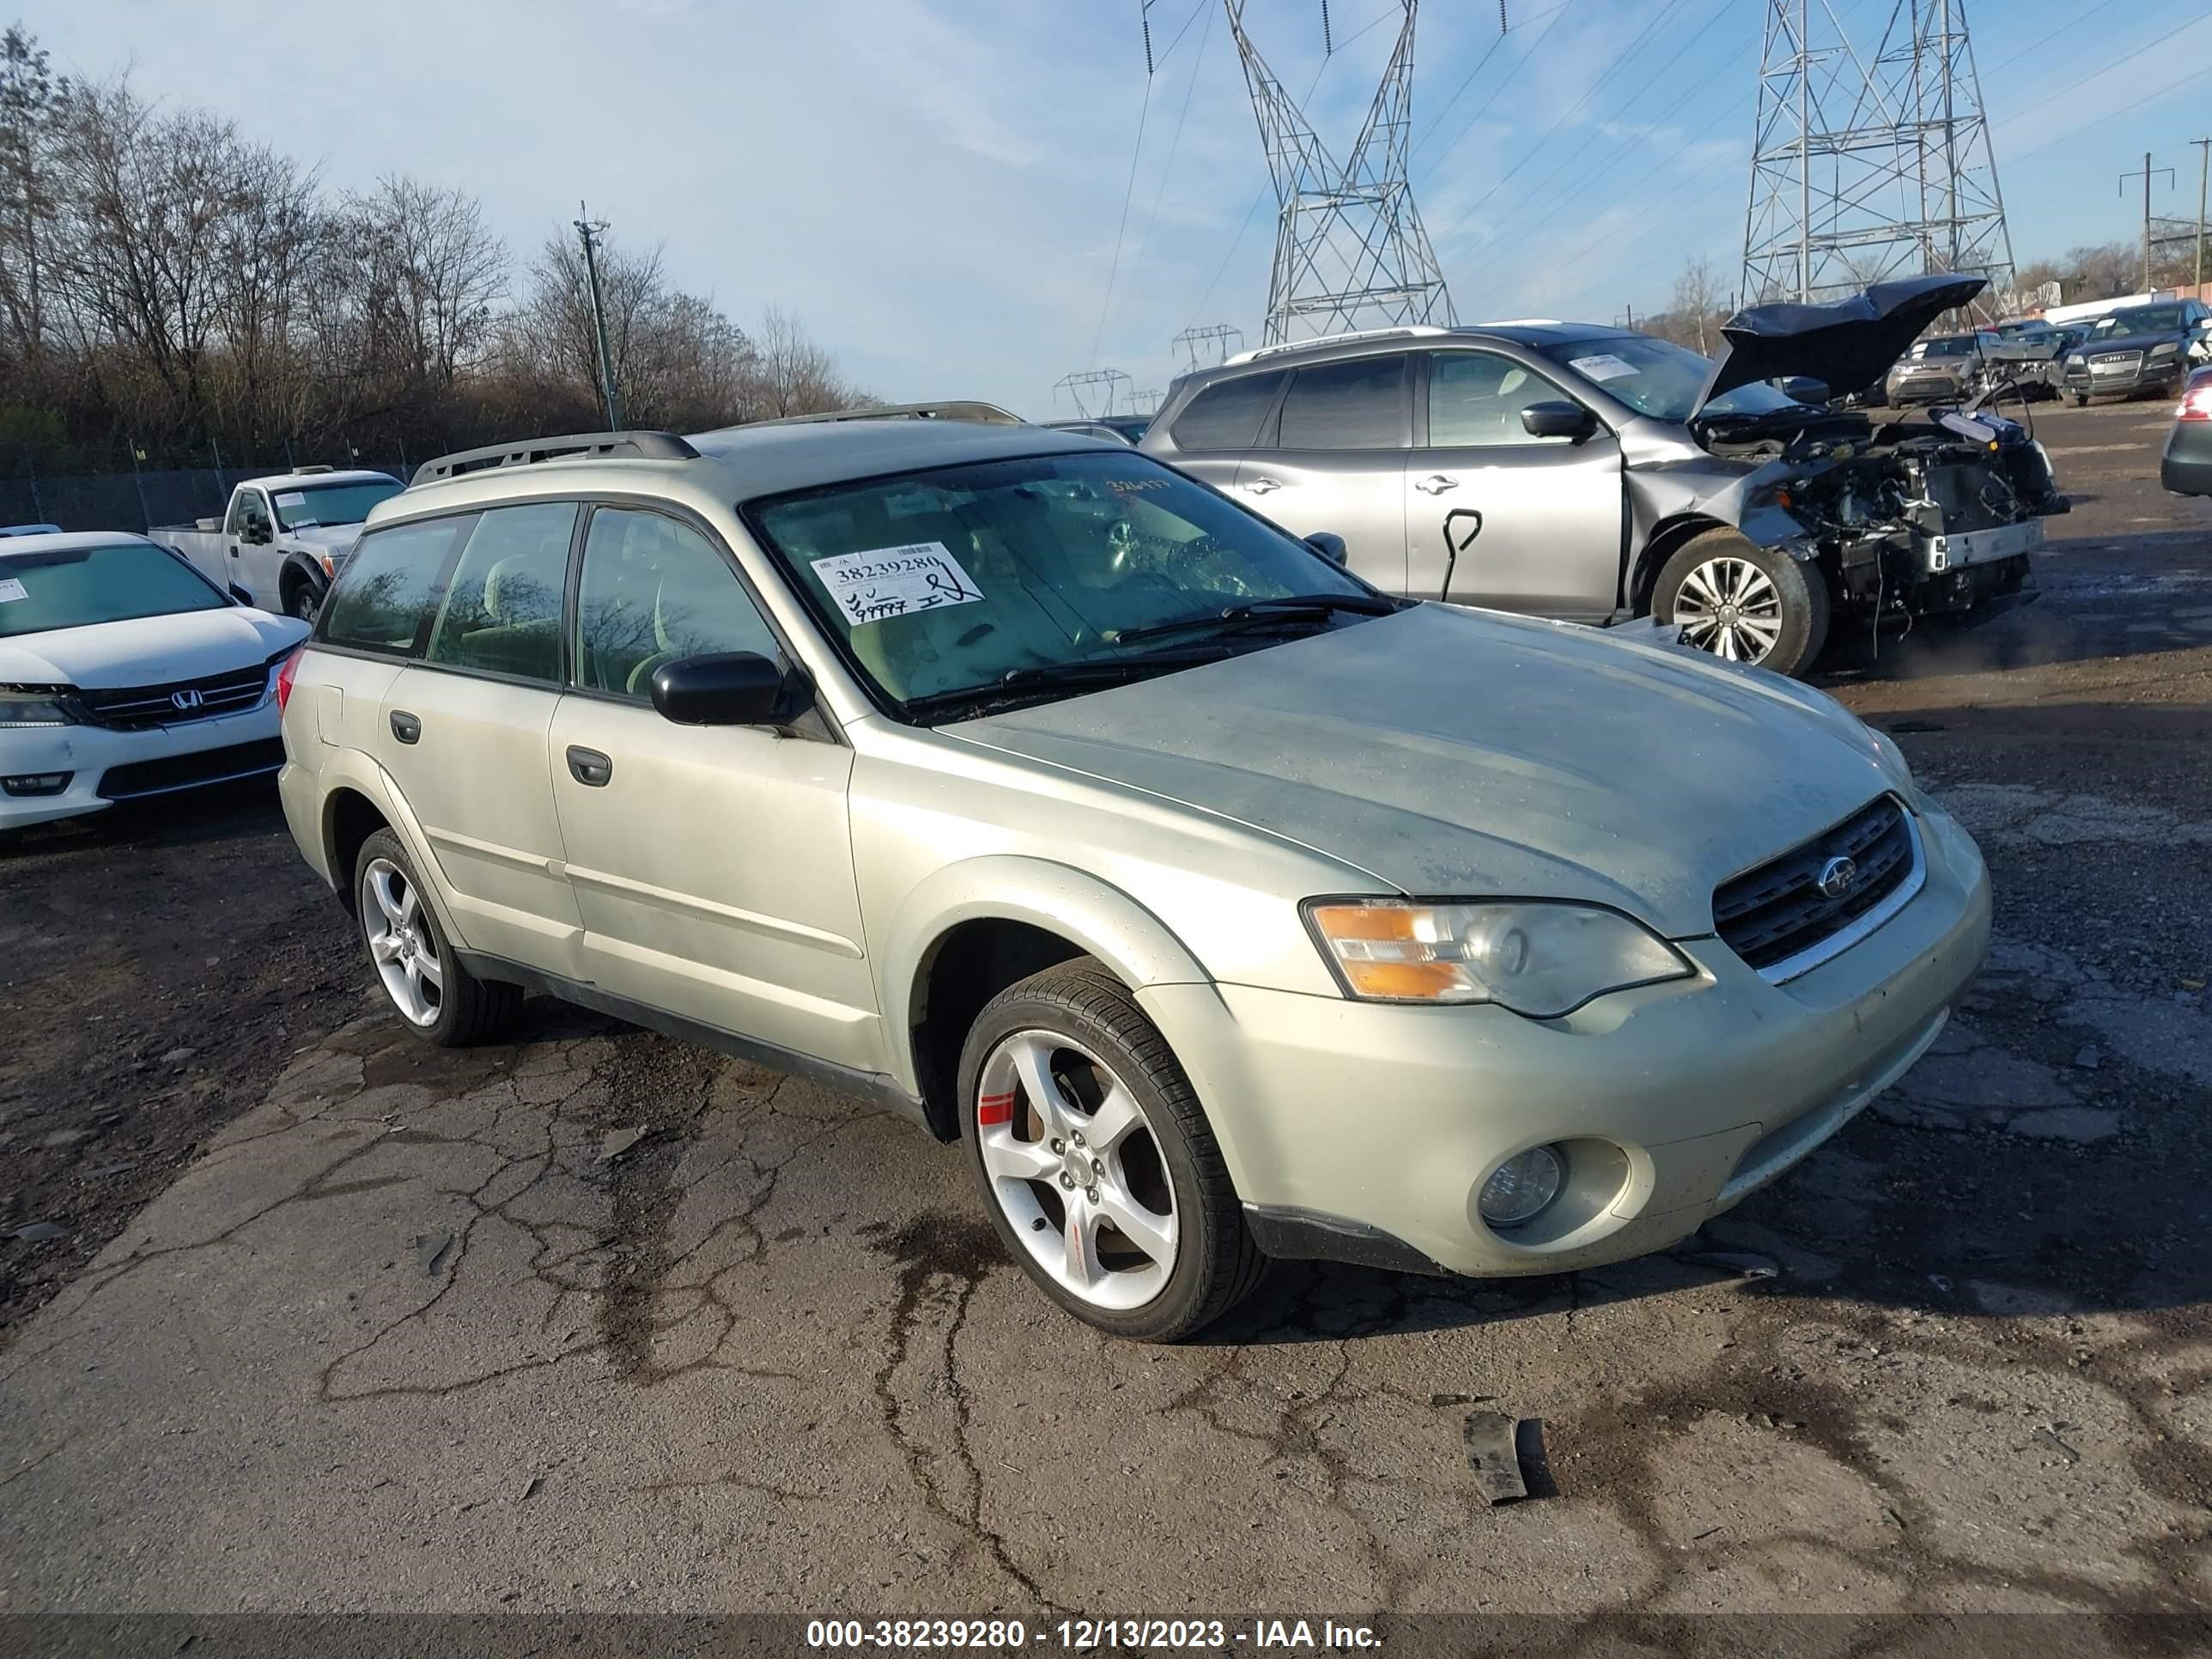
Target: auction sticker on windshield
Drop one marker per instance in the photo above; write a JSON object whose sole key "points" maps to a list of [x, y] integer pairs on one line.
{"points": [[1603, 367], [11, 590], [896, 581]]}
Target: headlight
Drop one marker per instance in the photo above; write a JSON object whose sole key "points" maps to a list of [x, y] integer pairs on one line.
{"points": [[2077, 360], [1538, 958], [2165, 350], [32, 705], [1893, 757]]}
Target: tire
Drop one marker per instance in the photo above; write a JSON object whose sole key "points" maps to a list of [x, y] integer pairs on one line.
{"points": [[1748, 603], [440, 1001], [2078, 399], [300, 600], [1077, 1027]]}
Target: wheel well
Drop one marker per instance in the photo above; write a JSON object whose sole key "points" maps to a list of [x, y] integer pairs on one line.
{"points": [[348, 819], [1669, 535], [965, 968]]}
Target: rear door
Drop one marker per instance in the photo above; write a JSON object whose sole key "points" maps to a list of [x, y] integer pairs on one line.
{"points": [[464, 733], [712, 866], [1333, 458], [1219, 427], [1534, 524]]}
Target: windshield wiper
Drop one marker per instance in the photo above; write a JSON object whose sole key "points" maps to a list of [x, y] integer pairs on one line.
{"points": [[1262, 611], [1024, 683]]}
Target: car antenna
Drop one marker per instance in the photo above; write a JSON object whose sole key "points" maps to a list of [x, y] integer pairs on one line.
{"points": [[1455, 545]]}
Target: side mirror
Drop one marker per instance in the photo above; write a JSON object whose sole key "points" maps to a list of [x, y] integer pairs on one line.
{"points": [[257, 533], [1558, 418], [1804, 389], [1329, 545], [730, 688], [240, 594]]}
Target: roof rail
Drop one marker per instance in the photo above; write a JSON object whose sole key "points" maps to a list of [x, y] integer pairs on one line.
{"points": [[1408, 331], [981, 414], [637, 445]]}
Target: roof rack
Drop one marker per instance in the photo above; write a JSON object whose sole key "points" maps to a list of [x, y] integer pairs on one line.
{"points": [[1411, 330], [316, 471], [981, 414], [596, 446]]}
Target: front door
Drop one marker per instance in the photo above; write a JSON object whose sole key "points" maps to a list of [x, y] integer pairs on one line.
{"points": [[249, 541], [1552, 510], [465, 734], [712, 865], [1336, 460]]}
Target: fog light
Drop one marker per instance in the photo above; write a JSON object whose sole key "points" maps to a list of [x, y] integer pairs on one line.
{"points": [[37, 783], [1523, 1187]]}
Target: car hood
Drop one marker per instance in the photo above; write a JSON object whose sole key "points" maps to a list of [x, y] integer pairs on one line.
{"points": [[1449, 752], [335, 539], [148, 650], [2131, 342], [1850, 345]]}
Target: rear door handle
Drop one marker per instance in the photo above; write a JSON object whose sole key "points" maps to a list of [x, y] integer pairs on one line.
{"points": [[1261, 486], [405, 726], [589, 766], [1436, 483]]}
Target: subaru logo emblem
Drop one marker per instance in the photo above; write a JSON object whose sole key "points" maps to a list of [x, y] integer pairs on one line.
{"points": [[1836, 877], [186, 701]]}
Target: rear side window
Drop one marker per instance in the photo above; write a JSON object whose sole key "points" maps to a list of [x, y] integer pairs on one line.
{"points": [[501, 613], [1360, 404], [384, 592], [1227, 416]]}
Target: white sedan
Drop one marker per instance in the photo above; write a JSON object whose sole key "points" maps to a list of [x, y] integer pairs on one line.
{"points": [[124, 673]]}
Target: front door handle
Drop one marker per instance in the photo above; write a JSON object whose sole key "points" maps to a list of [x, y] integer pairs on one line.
{"points": [[1436, 483], [405, 726], [233, 550], [1261, 486], [590, 767]]}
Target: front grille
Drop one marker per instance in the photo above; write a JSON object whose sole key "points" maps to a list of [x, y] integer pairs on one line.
{"points": [[139, 707], [1777, 911], [159, 777], [2117, 360]]}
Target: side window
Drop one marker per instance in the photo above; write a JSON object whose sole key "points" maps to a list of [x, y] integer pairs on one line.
{"points": [[654, 590], [383, 595], [1360, 404], [1227, 414], [503, 607], [247, 507], [1475, 400]]}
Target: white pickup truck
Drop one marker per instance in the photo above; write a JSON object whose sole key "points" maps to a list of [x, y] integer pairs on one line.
{"points": [[284, 536]]}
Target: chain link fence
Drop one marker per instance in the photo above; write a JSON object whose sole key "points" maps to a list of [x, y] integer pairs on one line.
{"points": [[137, 498]]}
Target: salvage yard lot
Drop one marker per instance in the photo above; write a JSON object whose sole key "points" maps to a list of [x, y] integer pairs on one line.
{"points": [[341, 1321]]}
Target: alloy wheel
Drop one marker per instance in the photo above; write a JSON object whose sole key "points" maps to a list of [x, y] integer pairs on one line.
{"points": [[1729, 607], [401, 943], [1075, 1168]]}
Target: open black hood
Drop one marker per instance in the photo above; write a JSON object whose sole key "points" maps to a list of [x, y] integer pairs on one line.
{"points": [[1849, 344]]}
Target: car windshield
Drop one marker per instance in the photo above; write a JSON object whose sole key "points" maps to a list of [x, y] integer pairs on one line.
{"points": [[304, 507], [116, 581], [2139, 319], [978, 578], [1949, 345], [1657, 378]]}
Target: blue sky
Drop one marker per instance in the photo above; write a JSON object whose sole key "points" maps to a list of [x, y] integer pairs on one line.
{"points": [[936, 186]]}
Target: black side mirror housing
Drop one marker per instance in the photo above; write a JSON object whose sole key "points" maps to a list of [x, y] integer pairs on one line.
{"points": [[1804, 389], [1329, 545], [730, 688], [1558, 418], [240, 594], [258, 534]]}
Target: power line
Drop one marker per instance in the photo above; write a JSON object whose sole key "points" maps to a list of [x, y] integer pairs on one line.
{"points": [[1444, 108], [1174, 143], [1460, 137], [2135, 106], [2066, 27], [1143, 7]]}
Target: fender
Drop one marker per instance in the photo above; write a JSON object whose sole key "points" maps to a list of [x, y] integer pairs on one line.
{"points": [[306, 568], [1104, 920]]}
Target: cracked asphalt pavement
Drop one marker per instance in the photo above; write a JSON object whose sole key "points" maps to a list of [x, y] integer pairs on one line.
{"points": [[386, 1327]]}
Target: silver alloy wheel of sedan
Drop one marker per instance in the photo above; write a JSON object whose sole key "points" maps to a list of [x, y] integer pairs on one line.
{"points": [[401, 942], [1729, 607], [1075, 1168]]}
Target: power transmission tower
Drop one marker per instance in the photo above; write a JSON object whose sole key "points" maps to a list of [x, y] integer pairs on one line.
{"points": [[1863, 169], [589, 231], [1215, 334], [1109, 382], [2145, 175], [1146, 402], [1350, 250]]}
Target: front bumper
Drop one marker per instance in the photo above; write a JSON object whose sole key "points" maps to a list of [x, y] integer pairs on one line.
{"points": [[1906, 390], [2150, 375], [164, 760], [1377, 1125]]}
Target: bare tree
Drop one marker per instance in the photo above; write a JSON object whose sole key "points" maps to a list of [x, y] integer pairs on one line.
{"points": [[1700, 303], [793, 375], [430, 254], [31, 98]]}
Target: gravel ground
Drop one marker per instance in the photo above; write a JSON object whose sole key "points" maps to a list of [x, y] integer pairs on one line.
{"points": [[340, 1322]]}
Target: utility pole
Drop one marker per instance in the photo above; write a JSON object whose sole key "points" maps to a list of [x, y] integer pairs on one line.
{"points": [[2203, 173], [2146, 171], [589, 230]]}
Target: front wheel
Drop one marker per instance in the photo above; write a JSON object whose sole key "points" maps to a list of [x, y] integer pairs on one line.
{"points": [[300, 601], [2078, 399], [1096, 1162], [1744, 603]]}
